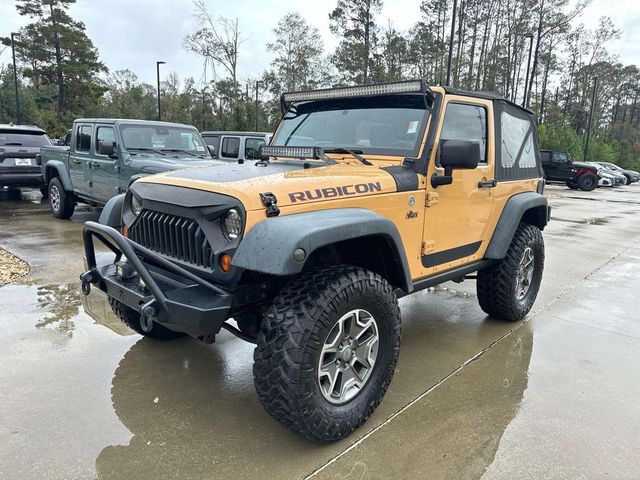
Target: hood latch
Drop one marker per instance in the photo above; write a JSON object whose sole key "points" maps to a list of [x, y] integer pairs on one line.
{"points": [[270, 201]]}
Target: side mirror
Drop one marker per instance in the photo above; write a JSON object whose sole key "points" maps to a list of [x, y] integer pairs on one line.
{"points": [[106, 148], [212, 150], [60, 142], [456, 155]]}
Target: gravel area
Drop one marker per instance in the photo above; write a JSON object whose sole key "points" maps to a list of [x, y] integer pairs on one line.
{"points": [[11, 267]]}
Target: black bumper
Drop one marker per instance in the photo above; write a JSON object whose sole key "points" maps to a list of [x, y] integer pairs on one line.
{"points": [[157, 288], [21, 177]]}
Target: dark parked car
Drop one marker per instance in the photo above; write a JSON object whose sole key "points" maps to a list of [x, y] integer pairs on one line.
{"points": [[19, 145], [234, 146], [558, 167], [106, 155], [631, 176]]}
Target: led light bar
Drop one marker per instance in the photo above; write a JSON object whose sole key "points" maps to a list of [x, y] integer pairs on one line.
{"points": [[409, 86], [267, 151]]}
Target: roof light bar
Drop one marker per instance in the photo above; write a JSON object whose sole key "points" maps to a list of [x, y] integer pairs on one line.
{"points": [[267, 151], [409, 86]]}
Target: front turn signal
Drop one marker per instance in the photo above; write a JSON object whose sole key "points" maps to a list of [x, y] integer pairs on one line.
{"points": [[225, 262]]}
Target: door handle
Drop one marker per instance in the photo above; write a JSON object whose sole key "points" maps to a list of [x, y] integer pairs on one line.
{"points": [[487, 184], [94, 164], [76, 161]]}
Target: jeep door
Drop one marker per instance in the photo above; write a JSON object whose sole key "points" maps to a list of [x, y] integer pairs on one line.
{"points": [[230, 148], [105, 171], [80, 159], [561, 166], [457, 216]]}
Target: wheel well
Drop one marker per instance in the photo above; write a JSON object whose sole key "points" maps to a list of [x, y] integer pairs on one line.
{"points": [[374, 253], [536, 216], [51, 172]]}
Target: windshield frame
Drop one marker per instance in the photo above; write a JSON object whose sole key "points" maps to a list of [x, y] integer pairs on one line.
{"points": [[418, 98], [184, 128]]}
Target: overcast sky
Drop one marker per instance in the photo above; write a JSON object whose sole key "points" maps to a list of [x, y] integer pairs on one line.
{"points": [[134, 34]]}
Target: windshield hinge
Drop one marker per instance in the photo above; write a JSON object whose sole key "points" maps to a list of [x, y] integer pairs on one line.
{"points": [[428, 247], [270, 201], [432, 199]]}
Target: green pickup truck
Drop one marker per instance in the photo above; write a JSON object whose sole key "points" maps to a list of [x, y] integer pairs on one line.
{"points": [[105, 156]]}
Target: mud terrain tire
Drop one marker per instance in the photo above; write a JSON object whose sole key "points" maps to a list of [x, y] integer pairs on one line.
{"points": [[292, 342], [131, 319], [499, 292]]}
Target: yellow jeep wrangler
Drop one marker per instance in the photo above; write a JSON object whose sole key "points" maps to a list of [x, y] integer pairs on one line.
{"points": [[364, 195]]}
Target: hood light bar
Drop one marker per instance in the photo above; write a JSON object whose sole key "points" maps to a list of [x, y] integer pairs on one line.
{"points": [[267, 151], [409, 86]]}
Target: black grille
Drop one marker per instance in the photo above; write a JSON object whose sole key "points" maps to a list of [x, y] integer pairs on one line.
{"points": [[177, 237]]}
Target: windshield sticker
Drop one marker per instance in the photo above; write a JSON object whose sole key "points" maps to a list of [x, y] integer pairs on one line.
{"points": [[413, 126]]}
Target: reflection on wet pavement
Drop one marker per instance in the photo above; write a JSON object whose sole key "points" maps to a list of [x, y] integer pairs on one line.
{"points": [[82, 396]]}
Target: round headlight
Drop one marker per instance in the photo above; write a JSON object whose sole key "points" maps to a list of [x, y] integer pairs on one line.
{"points": [[136, 206], [232, 224]]}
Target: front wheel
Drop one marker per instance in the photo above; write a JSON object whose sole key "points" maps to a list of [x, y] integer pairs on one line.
{"points": [[327, 351], [588, 182], [508, 288]]}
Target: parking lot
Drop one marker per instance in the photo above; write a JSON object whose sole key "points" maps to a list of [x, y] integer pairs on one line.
{"points": [[81, 396]]}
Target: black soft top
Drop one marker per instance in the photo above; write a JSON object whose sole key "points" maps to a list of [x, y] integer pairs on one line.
{"points": [[485, 96]]}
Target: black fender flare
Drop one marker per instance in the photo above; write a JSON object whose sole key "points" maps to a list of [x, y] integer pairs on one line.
{"points": [[62, 173], [268, 247], [111, 214], [531, 207]]}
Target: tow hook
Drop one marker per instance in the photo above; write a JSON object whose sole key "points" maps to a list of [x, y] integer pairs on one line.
{"points": [[86, 279], [147, 314]]}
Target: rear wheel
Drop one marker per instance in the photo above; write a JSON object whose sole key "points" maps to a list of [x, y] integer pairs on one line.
{"points": [[588, 182], [327, 351], [572, 185], [507, 289], [131, 319], [62, 203]]}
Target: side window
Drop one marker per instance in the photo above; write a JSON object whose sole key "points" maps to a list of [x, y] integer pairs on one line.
{"points": [[105, 134], [560, 158], [230, 147], [83, 138], [466, 122], [252, 148], [517, 148]]}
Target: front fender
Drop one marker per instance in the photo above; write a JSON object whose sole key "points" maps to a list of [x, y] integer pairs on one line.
{"points": [[268, 247], [111, 214]]}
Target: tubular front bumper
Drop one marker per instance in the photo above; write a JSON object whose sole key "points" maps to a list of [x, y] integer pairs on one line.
{"points": [[157, 288]]}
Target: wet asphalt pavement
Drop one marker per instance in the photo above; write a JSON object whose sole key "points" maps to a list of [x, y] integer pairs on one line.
{"points": [[554, 396]]}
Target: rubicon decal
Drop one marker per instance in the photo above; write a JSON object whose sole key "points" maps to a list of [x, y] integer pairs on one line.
{"points": [[335, 192]]}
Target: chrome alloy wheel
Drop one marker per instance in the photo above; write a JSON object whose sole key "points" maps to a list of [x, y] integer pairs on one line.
{"points": [[54, 198], [524, 274], [348, 356]]}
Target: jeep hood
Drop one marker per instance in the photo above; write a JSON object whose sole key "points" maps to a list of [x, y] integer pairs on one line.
{"points": [[290, 182], [584, 165], [156, 164]]}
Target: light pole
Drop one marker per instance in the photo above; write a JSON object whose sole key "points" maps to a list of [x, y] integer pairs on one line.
{"points": [[15, 76], [453, 28], [258, 82], [593, 101], [158, 78], [525, 100], [204, 90]]}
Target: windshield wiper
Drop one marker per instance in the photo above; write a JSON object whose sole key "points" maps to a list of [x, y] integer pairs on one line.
{"points": [[144, 149], [354, 153], [178, 150]]}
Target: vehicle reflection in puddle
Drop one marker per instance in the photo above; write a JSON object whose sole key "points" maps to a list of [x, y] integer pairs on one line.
{"points": [[97, 307]]}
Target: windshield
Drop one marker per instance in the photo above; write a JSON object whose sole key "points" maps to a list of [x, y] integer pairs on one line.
{"points": [[391, 125], [23, 139], [161, 137]]}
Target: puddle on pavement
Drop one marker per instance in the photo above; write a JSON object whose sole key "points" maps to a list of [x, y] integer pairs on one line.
{"points": [[586, 221]]}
